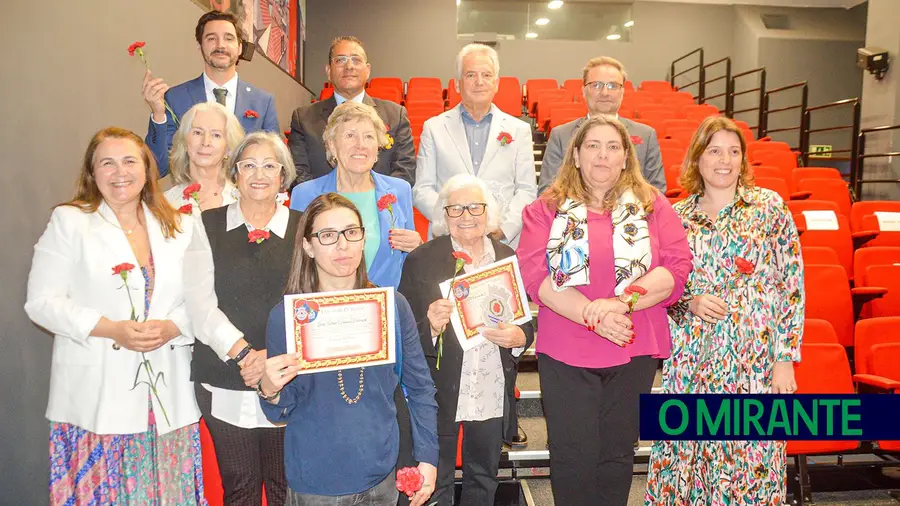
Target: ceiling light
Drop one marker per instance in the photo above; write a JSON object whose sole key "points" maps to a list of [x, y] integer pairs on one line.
{"points": [[541, 21], [628, 24], [530, 35], [555, 4], [613, 36], [457, 3]]}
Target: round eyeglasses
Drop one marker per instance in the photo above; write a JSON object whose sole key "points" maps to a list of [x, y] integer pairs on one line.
{"points": [[475, 209], [329, 237]]}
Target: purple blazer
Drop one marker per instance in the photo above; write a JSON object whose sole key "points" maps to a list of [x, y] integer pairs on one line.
{"points": [[572, 343]]}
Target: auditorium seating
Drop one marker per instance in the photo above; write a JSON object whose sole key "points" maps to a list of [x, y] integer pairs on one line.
{"points": [[834, 190], [869, 333], [888, 278], [533, 87], [818, 331], [828, 297], [818, 255], [509, 96], [871, 225]]}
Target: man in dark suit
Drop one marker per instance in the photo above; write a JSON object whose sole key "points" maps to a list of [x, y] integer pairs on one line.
{"points": [[604, 87], [348, 70], [220, 40]]}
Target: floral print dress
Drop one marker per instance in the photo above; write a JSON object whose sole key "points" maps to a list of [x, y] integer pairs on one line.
{"points": [[143, 469], [750, 257]]}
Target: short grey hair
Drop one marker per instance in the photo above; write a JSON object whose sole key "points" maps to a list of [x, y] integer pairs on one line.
{"points": [[463, 182], [179, 160], [282, 154], [477, 49], [353, 111]]}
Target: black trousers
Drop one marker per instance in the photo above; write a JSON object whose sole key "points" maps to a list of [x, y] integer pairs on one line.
{"points": [[247, 458], [592, 424], [481, 446], [405, 457]]}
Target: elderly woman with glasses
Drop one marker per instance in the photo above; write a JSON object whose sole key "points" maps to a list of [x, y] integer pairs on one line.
{"points": [[341, 441], [199, 157], [475, 387], [235, 270], [353, 136]]}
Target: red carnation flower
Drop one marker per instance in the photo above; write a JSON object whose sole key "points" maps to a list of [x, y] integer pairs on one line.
{"points": [[257, 236], [504, 138], [186, 209], [630, 289], [132, 48], [387, 201], [250, 113], [409, 480], [191, 191], [122, 269], [744, 266], [461, 255], [637, 139]]}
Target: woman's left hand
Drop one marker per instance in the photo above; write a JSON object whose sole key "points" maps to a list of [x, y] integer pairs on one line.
{"points": [[783, 378], [168, 329], [506, 336], [404, 240], [429, 472]]}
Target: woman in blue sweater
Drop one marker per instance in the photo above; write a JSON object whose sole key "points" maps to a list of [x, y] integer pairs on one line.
{"points": [[342, 436]]}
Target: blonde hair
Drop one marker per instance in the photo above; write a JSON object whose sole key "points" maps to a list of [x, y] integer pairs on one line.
{"points": [[569, 184], [353, 111], [603, 60], [179, 160], [691, 179]]}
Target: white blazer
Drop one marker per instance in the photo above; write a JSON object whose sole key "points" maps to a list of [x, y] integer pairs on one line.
{"points": [[71, 285], [507, 170]]}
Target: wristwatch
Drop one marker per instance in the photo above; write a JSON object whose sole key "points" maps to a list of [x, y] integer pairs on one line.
{"points": [[263, 396]]}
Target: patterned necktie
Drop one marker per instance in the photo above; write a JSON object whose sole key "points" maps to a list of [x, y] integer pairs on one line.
{"points": [[220, 95]]}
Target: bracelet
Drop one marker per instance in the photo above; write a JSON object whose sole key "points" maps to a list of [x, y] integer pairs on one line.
{"points": [[262, 395], [243, 353]]}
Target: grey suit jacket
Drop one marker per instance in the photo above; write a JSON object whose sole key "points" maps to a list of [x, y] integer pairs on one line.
{"points": [[647, 152], [308, 149]]}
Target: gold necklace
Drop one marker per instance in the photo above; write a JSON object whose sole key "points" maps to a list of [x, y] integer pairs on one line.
{"points": [[127, 232], [347, 399]]}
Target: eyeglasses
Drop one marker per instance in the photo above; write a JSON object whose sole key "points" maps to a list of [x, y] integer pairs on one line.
{"points": [[476, 209], [341, 61], [251, 166], [598, 85], [329, 237]]}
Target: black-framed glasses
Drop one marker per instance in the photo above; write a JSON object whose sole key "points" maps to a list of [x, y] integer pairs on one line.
{"points": [[475, 209], [599, 85], [329, 237]]}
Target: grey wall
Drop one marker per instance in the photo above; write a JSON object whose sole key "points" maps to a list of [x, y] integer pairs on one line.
{"points": [[66, 75], [407, 38]]}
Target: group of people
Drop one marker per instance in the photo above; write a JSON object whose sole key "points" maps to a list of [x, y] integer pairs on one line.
{"points": [[168, 306]]}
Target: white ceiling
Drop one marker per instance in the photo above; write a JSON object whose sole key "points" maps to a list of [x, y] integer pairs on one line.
{"points": [[845, 4]]}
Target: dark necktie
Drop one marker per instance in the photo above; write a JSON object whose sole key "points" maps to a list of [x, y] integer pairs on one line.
{"points": [[220, 95]]}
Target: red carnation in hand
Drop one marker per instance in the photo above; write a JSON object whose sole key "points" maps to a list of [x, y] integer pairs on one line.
{"points": [[132, 48], [250, 113], [637, 139], [257, 236], [122, 269], [461, 255], [409, 480], [504, 138], [186, 209], [635, 289], [387, 201], [744, 266]]}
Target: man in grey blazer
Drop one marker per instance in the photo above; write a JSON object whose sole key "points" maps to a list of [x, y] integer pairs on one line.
{"points": [[604, 87], [478, 138], [348, 70]]}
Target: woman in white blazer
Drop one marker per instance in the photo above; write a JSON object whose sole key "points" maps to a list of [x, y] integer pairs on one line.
{"points": [[118, 329]]}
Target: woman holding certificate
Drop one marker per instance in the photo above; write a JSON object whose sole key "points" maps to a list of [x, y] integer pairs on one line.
{"points": [[353, 137], [475, 386], [235, 271], [602, 254], [341, 439]]}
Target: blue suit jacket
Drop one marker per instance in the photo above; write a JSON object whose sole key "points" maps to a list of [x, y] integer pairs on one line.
{"points": [[388, 263], [187, 94]]}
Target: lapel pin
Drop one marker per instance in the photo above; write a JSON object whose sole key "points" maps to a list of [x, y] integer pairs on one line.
{"points": [[248, 88]]}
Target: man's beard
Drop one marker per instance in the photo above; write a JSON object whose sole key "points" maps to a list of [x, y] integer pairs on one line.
{"points": [[217, 65]]}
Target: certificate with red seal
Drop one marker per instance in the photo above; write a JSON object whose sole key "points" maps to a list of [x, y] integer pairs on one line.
{"points": [[484, 298], [340, 330]]}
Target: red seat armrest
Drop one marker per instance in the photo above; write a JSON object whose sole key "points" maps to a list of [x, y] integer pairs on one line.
{"points": [[879, 382], [861, 238], [801, 195]]}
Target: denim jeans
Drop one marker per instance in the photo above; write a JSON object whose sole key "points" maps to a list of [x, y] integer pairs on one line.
{"points": [[383, 494]]}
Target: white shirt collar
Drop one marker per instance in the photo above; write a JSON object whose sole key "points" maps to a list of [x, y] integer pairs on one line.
{"points": [[231, 86], [277, 225], [358, 98], [488, 255]]}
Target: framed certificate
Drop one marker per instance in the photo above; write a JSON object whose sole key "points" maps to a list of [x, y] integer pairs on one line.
{"points": [[339, 330], [486, 297]]}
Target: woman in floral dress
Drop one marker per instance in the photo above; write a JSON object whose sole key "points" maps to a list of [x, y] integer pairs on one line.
{"points": [[737, 328]]}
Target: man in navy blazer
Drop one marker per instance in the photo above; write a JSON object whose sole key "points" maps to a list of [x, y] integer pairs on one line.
{"points": [[220, 40]]}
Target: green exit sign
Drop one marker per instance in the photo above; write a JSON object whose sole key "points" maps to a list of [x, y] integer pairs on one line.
{"points": [[820, 151]]}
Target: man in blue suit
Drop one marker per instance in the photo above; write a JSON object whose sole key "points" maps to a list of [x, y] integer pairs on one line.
{"points": [[220, 40]]}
